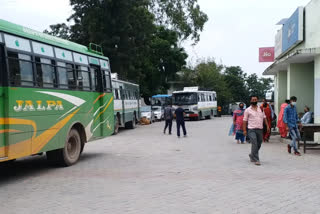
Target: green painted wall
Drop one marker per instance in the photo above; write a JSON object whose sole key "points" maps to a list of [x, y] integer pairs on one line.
{"points": [[282, 88], [301, 84]]}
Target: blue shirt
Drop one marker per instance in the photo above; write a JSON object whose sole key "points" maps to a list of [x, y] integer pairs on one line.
{"points": [[290, 116], [307, 118]]}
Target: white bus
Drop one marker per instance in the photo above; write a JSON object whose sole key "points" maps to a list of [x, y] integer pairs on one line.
{"points": [[126, 104], [197, 104]]}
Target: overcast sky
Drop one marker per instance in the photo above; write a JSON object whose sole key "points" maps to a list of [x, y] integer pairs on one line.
{"points": [[233, 34]]}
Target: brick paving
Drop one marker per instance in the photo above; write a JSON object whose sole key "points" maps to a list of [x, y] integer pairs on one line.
{"points": [[144, 171]]}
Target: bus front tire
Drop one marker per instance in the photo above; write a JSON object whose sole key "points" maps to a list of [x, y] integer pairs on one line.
{"points": [[69, 155], [131, 124]]}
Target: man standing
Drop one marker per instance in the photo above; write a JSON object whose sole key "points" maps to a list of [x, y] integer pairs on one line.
{"points": [[254, 117], [168, 116], [290, 118], [180, 121]]}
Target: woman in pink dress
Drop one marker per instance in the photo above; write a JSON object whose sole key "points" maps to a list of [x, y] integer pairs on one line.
{"points": [[281, 125]]}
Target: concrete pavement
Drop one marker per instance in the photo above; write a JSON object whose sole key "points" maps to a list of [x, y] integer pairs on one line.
{"points": [[144, 171]]}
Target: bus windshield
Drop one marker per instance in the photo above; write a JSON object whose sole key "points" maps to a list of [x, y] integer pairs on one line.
{"points": [[185, 99]]}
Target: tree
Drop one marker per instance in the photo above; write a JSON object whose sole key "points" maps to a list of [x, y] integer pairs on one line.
{"points": [[210, 77], [235, 79], [257, 86], [142, 47]]}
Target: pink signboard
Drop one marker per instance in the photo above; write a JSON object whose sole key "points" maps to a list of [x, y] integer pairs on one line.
{"points": [[266, 54]]}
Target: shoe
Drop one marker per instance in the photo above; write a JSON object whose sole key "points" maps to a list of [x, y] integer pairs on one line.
{"points": [[169, 133], [257, 163], [297, 153], [289, 149], [185, 136]]}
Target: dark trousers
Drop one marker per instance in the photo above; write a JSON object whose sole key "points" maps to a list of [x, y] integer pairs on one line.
{"points": [[182, 124], [256, 136], [168, 124]]}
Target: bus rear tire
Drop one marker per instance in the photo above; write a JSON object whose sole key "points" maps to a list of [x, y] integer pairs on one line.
{"points": [[70, 154], [131, 124]]}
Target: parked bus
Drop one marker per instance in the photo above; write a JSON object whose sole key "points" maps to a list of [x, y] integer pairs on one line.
{"points": [[197, 104], [126, 104], [55, 95]]}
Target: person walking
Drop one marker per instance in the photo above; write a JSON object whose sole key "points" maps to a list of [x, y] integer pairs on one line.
{"points": [[267, 111], [281, 125], [290, 118], [254, 117], [168, 116], [179, 112], [238, 115]]}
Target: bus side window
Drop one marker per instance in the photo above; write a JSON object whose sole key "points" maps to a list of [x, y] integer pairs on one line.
{"points": [[83, 78], [45, 72], [202, 98], [62, 75], [93, 79], [21, 70], [106, 81], [71, 77]]}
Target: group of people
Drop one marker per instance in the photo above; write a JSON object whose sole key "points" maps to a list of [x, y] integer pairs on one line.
{"points": [[238, 116], [255, 124], [169, 114]]}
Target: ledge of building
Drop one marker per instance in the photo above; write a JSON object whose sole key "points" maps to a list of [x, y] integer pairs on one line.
{"points": [[298, 56]]}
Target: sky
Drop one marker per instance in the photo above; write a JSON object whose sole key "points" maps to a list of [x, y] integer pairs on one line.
{"points": [[232, 36]]}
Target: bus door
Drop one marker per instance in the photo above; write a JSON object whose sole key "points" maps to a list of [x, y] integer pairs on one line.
{"points": [[96, 76], [123, 97], [3, 111], [108, 104]]}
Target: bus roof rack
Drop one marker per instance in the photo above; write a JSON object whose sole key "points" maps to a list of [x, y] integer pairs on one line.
{"points": [[97, 49]]}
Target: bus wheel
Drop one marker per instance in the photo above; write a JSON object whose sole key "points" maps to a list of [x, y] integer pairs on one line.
{"points": [[116, 126], [200, 116], [70, 154], [131, 124], [209, 116]]}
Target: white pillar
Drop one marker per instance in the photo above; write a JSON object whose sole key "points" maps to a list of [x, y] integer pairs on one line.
{"points": [[317, 89]]}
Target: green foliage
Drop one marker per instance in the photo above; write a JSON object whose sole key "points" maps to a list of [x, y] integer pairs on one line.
{"points": [[140, 37], [235, 79]]}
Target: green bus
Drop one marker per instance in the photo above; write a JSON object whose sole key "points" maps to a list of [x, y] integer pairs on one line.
{"points": [[126, 104], [55, 95]]}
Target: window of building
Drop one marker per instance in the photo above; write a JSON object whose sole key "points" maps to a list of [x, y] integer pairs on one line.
{"points": [[21, 70]]}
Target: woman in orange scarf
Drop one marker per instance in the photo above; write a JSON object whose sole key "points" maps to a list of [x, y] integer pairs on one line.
{"points": [[268, 113], [281, 124]]}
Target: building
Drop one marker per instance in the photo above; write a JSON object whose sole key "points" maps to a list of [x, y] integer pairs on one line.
{"points": [[297, 59]]}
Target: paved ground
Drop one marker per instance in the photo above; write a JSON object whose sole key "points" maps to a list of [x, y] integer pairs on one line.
{"points": [[144, 171]]}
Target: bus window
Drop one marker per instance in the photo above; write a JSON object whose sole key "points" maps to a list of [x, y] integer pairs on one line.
{"points": [[210, 97], [45, 73], [106, 81], [83, 78], [202, 98], [93, 79], [62, 75], [71, 77], [116, 94], [20, 68]]}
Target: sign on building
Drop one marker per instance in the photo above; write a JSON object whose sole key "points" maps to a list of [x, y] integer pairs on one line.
{"points": [[266, 54], [292, 30]]}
